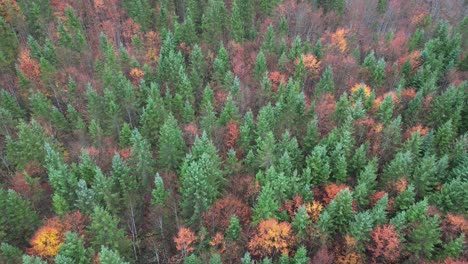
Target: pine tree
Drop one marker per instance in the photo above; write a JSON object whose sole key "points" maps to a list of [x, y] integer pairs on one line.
{"points": [[234, 230], [197, 68], [198, 191], [18, 220], [237, 24], [32, 260], [10, 254], [221, 65], [269, 44], [405, 199], [141, 160], [385, 111], [73, 249], [214, 22], [8, 46], [318, 162], [266, 150], [260, 66], [159, 193], [104, 231], [63, 182], [326, 83], [300, 222], [267, 205], [109, 256], [301, 256], [366, 184], [337, 214], [171, 145], [29, 145], [424, 238]]}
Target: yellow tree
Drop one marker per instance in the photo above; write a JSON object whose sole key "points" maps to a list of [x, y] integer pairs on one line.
{"points": [[272, 238]]}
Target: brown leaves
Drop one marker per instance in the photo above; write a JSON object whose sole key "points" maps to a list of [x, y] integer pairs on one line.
{"points": [[232, 134], [28, 66], [220, 213], [271, 239]]}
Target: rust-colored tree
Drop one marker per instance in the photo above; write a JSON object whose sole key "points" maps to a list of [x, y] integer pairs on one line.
{"points": [[28, 66], [272, 239], [218, 216], [385, 247], [185, 240], [231, 135]]}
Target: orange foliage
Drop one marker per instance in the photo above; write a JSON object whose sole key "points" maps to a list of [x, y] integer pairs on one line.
{"points": [[311, 64], [331, 191], [456, 224], [350, 258], [130, 29], [218, 242], [47, 241], [401, 185], [48, 238], [220, 213], [28, 66], [184, 240], [338, 39], [276, 79], [419, 128], [314, 210], [271, 239], [152, 53], [361, 86], [232, 134], [136, 75], [8, 9], [408, 94], [385, 245]]}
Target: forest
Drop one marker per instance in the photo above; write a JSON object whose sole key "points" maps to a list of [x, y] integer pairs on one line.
{"points": [[233, 131]]}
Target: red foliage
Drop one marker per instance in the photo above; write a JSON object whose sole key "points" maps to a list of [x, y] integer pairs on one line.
{"points": [[331, 191], [220, 213], [184, 241], [323, 256], [368, 130], [125, 153], [243, 58], [291, 206], [325, 110], [379, 195], [385, 245], [232, 134], [244, 186]]}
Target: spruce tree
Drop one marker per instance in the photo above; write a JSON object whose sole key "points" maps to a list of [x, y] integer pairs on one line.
{"points": [[18, 220], [171, 145]]}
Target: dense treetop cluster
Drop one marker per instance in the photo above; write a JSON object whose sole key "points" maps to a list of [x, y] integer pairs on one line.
{"points": [[238, 131]]}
